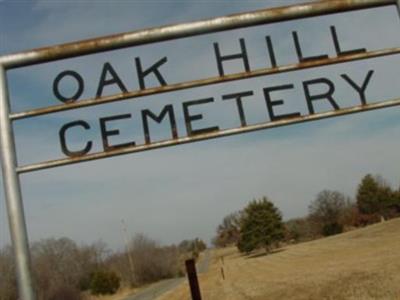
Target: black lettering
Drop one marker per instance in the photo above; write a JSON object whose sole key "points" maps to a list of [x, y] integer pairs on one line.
{"points": [[328, 95], [271, 52], [107, 68], [153, 69], [271, 103], [238, 97], [300, 52], [63, 141], [339, 51], [360, 90], [79, 90], [242, 55], [190, 118], [167, 110], [105, 133]]}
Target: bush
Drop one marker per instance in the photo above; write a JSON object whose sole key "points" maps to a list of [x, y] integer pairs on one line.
{"points": [[104, 282], [332, 229], [367, 219]]}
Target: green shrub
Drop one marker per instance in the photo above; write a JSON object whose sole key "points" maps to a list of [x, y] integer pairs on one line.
{"points": [[104, 282]]}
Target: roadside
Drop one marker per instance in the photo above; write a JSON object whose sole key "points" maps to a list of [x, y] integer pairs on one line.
{"points": [[162, 287], [202, 270], [157, 289]]}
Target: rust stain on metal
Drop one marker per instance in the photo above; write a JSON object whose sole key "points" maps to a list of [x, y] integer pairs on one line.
{"points": [[164, 33]]}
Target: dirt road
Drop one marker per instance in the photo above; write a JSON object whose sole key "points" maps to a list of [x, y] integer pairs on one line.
{"points": [[156, 290]]}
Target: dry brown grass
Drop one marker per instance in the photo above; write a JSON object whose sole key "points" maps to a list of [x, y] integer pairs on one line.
{"points": [[362, 264]]}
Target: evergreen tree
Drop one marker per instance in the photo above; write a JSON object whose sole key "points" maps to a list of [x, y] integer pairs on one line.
{"points": [[368, 201], [375, 196], [261, 226]]}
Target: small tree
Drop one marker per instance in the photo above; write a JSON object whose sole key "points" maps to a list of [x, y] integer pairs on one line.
{"points": [[261, 226], [375, 196], [367, 195], [326, 212], [228, 231]]}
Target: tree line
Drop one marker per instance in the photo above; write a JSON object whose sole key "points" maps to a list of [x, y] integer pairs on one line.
{"points": [[260, 224], [62, 269]]}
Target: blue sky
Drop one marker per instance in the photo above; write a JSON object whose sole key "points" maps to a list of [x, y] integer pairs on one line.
{"points": [[183, 192]]}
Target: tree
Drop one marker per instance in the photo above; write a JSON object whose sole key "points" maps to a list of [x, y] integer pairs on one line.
{"points": [[260, 226], [228, 231], [367, 195], [61, 267], [375, 196], [196, 245], [153, 262], [327, 210]]}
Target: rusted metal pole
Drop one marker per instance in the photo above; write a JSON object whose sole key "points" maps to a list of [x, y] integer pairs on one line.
{"points": [[193, 280], [169, 32], [202, 82], [206, 136], [13, 197]]}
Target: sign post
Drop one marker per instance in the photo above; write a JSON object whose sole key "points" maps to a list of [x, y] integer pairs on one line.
{"points": [[12, 190], [193, 279]]}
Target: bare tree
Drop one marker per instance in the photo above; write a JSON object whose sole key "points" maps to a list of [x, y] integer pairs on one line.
{"points": [[152, 261], [8, 285], [228, 232], [326, 211]]}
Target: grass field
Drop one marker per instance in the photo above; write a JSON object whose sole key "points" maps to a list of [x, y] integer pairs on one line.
{"points": [[362, 264]]}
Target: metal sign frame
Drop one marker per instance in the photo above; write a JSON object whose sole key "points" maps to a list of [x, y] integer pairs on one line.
{"points": [[10, 168]]}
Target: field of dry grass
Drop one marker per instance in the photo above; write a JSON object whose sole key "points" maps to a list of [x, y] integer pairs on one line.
{"points": [[362, 264]]}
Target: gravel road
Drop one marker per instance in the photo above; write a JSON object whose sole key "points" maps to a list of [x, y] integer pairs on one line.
{"points": [[164, 286]]}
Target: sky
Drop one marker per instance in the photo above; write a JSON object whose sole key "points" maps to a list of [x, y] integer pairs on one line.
{"points": [[183, 192]]}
